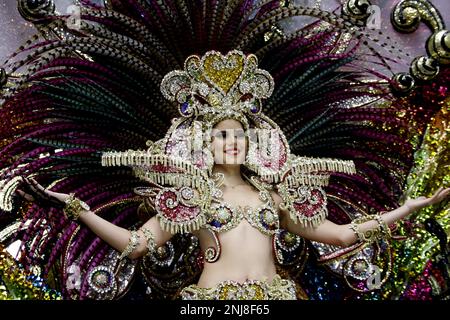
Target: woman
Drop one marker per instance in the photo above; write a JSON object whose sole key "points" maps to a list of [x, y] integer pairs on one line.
{"points": [[246, 256], [66, 109]]}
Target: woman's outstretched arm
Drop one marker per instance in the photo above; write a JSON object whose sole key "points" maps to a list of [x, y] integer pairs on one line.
{"points": [[117, 237], [341, 235]]}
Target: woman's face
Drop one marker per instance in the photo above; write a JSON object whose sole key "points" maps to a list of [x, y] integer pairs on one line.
{"points": [[229, 143]]}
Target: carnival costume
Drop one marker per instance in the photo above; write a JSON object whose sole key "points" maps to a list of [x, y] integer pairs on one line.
{"points": [[87, 117]]}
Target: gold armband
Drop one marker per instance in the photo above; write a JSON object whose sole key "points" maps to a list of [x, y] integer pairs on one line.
{"points": [[370, 235], [132, 245], [74, 207], [150, 240]]}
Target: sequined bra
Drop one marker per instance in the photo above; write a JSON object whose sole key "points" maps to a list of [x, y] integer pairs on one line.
{"points": [[224, 217]]}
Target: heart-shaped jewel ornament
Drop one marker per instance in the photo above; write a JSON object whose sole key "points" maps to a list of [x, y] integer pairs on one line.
{"points": [[223, 71]]}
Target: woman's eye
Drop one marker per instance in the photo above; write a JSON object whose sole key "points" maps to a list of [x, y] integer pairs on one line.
{"points": [[239, 134], [221, 134]]}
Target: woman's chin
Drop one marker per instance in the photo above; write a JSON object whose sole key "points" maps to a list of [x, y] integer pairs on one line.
{"points": [[230, 160], [234, 160]]}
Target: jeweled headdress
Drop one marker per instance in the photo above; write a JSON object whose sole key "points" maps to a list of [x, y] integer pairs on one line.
{"points": [[217, 85]]}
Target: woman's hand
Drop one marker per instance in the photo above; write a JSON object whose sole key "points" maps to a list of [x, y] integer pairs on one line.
{"points": [[422, 202], [33, 191]]}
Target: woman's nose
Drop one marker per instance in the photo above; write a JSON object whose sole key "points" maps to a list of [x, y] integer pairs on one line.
{"points": [[231, 140]]}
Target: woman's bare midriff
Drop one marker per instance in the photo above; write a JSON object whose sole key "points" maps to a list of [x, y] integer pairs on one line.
{"points": [[246, 255]]}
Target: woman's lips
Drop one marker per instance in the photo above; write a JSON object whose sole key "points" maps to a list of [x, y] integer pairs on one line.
{"points": [[232, 151]]}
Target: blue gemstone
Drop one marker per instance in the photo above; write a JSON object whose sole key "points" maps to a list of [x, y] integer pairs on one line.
{"points": [[215, 223], [184, 107], [254, 108]]}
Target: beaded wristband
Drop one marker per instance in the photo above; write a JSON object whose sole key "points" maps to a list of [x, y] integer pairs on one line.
{"points": [[132, 245], [354, 227], [371, 234], [150, 239], [384, 228], [74, 207]]}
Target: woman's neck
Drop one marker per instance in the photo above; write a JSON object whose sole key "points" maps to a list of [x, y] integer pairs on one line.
{"points": [[232, 174]]}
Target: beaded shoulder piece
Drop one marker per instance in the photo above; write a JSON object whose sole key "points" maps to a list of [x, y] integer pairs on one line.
{"points": [[180, 190], [301, 188]]}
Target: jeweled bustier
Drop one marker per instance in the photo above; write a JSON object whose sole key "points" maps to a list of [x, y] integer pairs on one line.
{"points": [[224, 217]]}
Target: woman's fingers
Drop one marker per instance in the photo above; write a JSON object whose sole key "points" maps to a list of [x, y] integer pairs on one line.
{"points": [[440, 195], [41, 189], [36, 184], [25, 195], [441, 192], [33, 191], [444, 193], [438, 191], [33, 188], [36, 187]]}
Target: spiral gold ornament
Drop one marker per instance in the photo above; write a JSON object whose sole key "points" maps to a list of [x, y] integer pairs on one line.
{"points": [[212, 254], [424, 68], [357, 9], [406, 20], [438, 46], [406, 17], [408, 14], [34, 10], [402, 82]]}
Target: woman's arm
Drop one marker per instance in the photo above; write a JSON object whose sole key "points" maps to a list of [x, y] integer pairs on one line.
{"points": [[341, 235], [117, 237]]}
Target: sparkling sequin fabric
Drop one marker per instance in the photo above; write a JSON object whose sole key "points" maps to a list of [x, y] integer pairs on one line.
{"points": [[277, 289]]}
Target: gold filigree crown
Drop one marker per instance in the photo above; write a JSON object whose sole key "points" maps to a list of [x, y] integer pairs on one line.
{"points": [[214, 85]]}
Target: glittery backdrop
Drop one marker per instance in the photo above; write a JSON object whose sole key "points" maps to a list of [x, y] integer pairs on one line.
{"points": [[14, 30], [415, 256]]}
